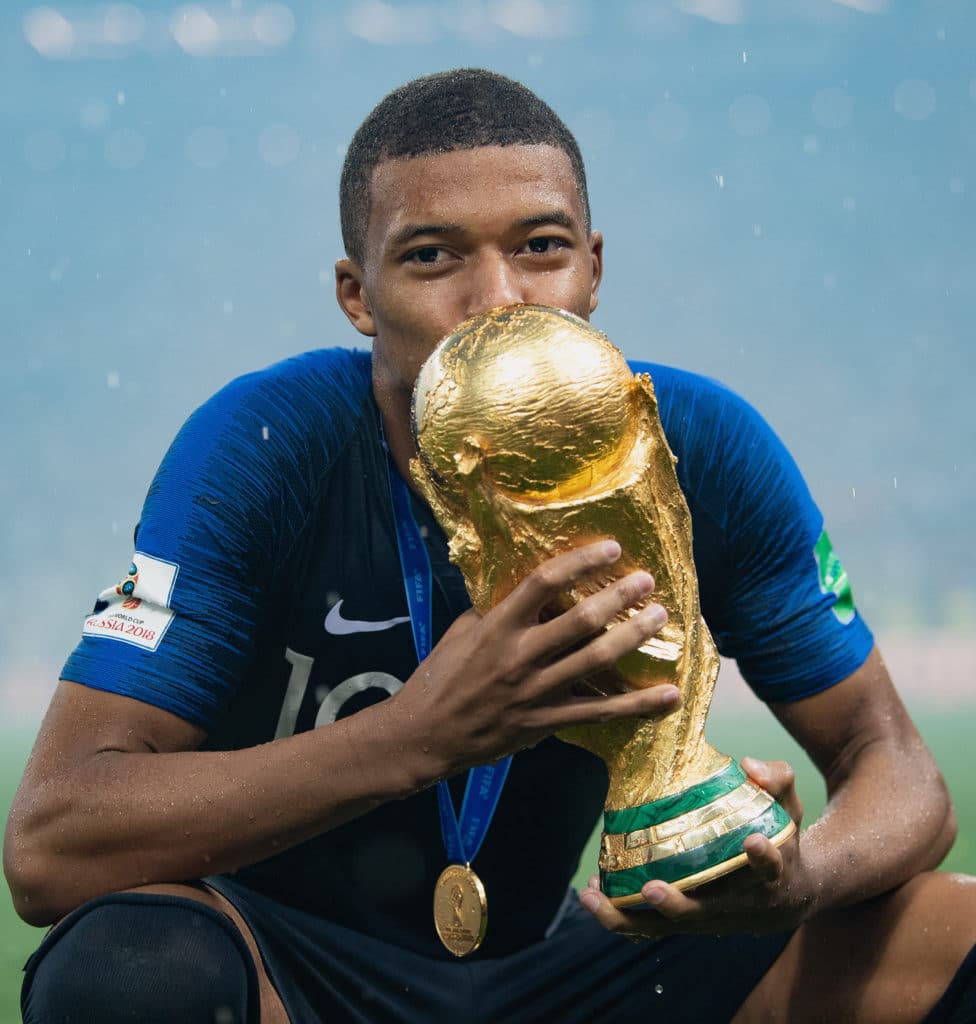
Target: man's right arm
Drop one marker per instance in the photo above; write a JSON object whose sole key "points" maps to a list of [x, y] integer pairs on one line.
{"points": [[116, 794]]}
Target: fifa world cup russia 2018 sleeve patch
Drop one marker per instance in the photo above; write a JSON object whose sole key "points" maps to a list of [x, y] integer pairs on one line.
{"points": [[136, 610], [833, 579]]}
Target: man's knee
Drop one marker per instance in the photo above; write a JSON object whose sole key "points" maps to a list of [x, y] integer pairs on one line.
{"points": [[890, 959], [138, 957]]}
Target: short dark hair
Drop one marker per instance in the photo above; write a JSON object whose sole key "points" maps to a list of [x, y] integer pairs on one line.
{"points": [[440, 113]]}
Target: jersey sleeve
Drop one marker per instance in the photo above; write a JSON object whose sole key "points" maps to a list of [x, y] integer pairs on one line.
{"points": [[180, 628], [775, 595]]}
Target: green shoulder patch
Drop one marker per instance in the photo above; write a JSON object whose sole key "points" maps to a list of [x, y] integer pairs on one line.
{"points": [[833, 579]]}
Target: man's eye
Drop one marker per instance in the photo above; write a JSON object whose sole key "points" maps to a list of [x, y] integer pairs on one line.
{"points": [[428, 254], [543, 245]]}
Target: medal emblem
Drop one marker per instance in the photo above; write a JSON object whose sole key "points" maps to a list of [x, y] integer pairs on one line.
{"points": [[460, 909]]}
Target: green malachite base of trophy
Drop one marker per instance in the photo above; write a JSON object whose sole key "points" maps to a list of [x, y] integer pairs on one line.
{"points": [[687, 839]]}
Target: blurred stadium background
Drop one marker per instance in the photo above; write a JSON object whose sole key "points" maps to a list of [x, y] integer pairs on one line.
{"points": [[787, 194]]}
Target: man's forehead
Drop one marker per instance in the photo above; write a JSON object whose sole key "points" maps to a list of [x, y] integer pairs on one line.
{"points": [[436, 185]]}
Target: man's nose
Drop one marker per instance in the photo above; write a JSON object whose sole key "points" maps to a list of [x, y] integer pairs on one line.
{"points": [[495, 282]]}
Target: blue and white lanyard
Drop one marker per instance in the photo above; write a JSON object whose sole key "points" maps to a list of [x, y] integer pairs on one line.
{"points": [[462, 838]]}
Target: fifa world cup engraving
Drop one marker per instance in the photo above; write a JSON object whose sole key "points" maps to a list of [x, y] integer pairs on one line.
{"points": [[534, 437]]}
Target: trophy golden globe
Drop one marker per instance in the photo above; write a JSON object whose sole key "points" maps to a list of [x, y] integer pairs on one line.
{"points": [[534, 437]]}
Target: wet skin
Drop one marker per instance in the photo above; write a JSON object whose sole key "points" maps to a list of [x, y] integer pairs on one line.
{"points": [[456, 234]]}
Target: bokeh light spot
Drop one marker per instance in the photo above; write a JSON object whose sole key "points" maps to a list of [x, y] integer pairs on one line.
{"points": [[532, 19], [273, 24], [49, 32], [723, 12], [195, 30], [386, 25], [914, 99]]}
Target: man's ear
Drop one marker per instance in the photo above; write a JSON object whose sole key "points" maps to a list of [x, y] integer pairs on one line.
{"points": [[596, 256], [352, 298]]}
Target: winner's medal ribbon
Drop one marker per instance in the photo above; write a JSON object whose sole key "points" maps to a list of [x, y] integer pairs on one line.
{"points": [[460, 905]]}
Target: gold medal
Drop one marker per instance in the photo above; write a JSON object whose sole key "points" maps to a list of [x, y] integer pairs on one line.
{"points": [[460, 909]]}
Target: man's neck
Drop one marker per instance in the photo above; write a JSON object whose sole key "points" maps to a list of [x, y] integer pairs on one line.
{"points": [[394, 407]]}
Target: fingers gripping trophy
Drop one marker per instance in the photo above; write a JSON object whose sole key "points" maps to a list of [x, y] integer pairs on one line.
{"points": [[534, 438]]}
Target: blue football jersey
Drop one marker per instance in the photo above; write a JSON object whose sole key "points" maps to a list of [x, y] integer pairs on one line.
{"points": [[265, 598]]}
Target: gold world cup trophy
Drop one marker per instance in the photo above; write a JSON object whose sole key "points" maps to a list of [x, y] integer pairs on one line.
{"points": [[534, 438]]}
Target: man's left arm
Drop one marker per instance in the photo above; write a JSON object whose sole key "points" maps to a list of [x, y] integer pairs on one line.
{"points": [[888, 817]]}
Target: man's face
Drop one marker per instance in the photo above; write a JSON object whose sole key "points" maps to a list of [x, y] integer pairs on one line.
{"points": [[458, 233]]}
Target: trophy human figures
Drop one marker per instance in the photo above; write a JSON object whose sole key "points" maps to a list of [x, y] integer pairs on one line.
{"points": [[535, 437]]}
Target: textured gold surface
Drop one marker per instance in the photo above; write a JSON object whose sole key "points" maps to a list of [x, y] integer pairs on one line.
{"points": [[460, 909], [534, 437]]}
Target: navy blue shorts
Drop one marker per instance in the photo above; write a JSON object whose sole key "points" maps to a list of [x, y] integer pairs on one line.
{"points": [[324, 972]]}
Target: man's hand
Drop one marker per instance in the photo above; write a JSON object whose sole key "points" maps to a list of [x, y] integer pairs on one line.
{"points": [[771, 893], [501, 682]]}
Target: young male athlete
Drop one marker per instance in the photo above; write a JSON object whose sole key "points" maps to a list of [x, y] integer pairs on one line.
{"points": [[231, 807]]}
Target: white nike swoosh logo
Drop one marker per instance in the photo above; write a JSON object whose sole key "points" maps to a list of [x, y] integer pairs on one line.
{"points": [[338, 626]]}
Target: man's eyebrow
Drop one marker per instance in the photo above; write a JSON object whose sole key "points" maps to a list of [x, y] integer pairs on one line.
{"points": [[558, 217], [411, 231]]}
